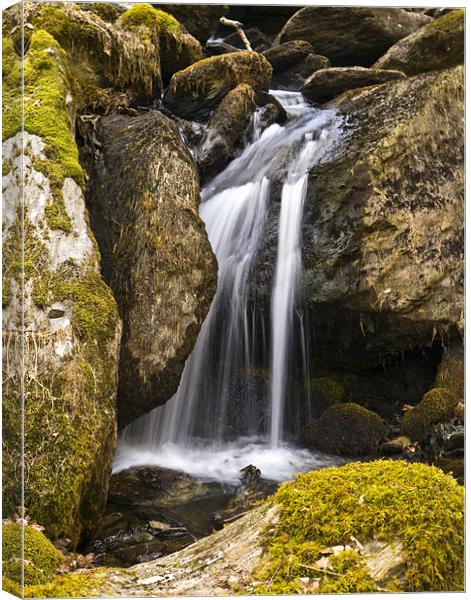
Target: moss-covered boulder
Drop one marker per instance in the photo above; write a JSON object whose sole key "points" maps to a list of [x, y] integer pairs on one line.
{"points": [[348, 429], [41, 559], [324, 392], [110, 67], [437, 406], [437, 45], [144, 200], [175, 47], [68, 358], [351, 36], [194, 92], [407, 517], [326, 84], [450, 371], [226, 129]]}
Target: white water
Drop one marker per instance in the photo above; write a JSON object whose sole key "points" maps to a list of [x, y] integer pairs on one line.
{"points": [[219, 420]]}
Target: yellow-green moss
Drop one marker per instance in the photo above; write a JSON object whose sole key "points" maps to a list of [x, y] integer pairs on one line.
{"points": [[145, 15], [41, 558], [75, 585], [11, 587], [437, 406], [11, 90], [415, 505], [57, 217]]}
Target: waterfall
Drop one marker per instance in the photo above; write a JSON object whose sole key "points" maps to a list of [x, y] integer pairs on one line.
{"points": [[219, 407]]}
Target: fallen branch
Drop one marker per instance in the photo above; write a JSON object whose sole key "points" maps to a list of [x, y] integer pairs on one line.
{"points": [[238, 27]]}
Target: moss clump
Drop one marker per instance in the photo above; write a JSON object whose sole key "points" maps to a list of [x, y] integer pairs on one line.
{"points": [[57, 217], [11, 91], [415, 505], [347, 429], [41, 558], [145, 15], [75, 585], [11, 587], [437, 406]]}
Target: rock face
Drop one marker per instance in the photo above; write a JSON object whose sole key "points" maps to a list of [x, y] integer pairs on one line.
{"points": [[286, 55], [144, 202], [194, 92], [228, 124], [383, 232], [351, 36], [199, 19], [438, 45], [72, 328], [326, 84]]}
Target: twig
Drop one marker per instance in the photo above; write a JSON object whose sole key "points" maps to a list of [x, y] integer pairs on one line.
{"points": [[327, 571], [274, 573]]}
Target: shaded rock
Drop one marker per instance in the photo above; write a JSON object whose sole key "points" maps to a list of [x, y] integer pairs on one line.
{"points": [[294, 77], [144, 201], [286, 55], [269, 19], [200, 19], [351, 36], [398, 445], [347, 429], [217, 48], [254, 35], [226, 129], [65, 367], [386, 212], [450, 371], [437, 45], [326, 84], [194, 92], [437, 406]]}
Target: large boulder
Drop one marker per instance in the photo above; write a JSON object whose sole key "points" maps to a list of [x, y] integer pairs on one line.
{"points": [[351, 36], [437, 45], [68, 357], [144, 200], [200, 19], [383, 227], [286, 55], [326, 84], [194, 92]]}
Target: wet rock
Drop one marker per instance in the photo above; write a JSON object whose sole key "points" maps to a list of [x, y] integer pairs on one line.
{"points": [[226, 130], [398, 445], [347, 429], [293, 78], [153, 512], [250, 474], [200, 19], [194, 92], [386, 212], [156, 256], [326, 84], [437, 45], [351, 36]]}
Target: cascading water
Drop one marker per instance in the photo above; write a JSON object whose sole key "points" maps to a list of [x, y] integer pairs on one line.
{"points": [[217, 423]]}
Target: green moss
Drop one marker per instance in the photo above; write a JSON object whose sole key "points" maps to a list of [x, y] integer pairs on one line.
{"points": [[415, 505], [145, 15], [57, 217], [347, 429], [75, 585], [41, 558], [11, 92], [11, 587], [437, 406], [46, 113], [449, 21]]}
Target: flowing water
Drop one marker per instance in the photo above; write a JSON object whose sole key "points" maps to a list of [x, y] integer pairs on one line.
{"points": [[229, 408]]}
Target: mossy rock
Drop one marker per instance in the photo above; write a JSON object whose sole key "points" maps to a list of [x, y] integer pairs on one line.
{"points": [[41, 558], [414, 509], [176, 48], [437, 406], [348, 429], [437, 45], [194, 92], [69, 363], [90, 584]]}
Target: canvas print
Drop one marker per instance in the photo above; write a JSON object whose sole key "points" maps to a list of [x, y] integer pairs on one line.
{"points": [[233, 306]]}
